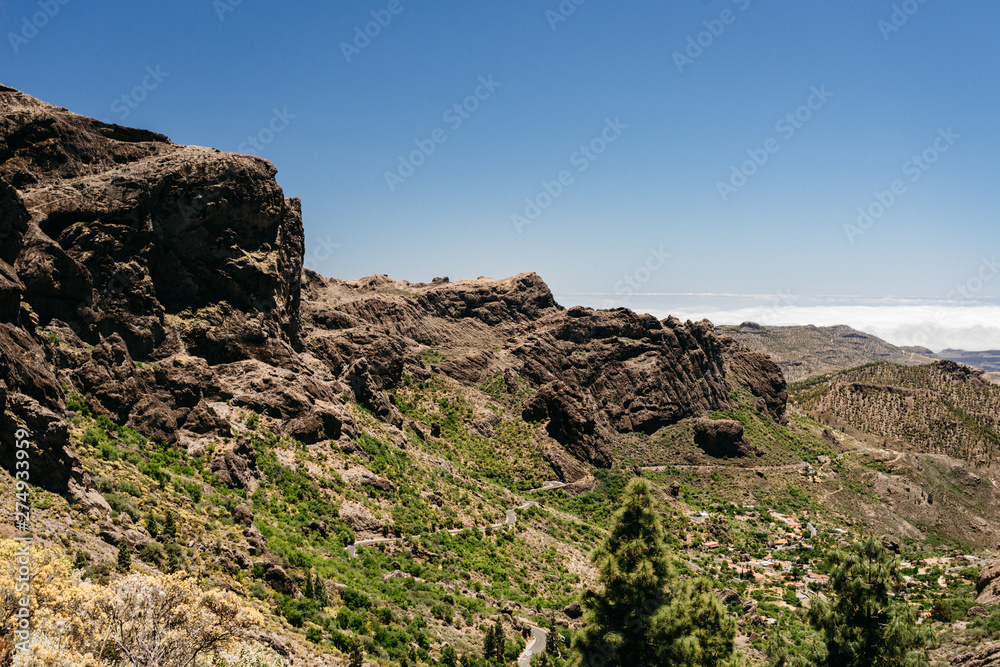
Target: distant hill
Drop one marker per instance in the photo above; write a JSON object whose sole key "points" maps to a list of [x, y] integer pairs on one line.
{"points": [[988, 361], [805, 351], [939, 408]]}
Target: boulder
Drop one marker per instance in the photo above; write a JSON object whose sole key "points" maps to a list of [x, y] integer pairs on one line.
{"points": [[365, 477], [276, 577], [720, 437]]}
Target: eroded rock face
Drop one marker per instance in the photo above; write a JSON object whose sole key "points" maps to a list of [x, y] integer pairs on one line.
{"points": [[590, 373], [124, 247], [758, 373], [126, 227], [988, 585], [166, 283]]}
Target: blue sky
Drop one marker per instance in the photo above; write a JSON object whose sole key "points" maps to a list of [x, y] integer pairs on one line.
{"points": [[652, 206]]}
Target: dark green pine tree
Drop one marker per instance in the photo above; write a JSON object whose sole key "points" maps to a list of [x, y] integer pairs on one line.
{"points": [[633, 570], [494, 644], [449, 658], [865, 624], [124, 557], [170, 526], [644, 615], [694, 630], [308, 591]]}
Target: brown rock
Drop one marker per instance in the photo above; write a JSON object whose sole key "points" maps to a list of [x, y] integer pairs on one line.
{"points": [[983, 657], [242, 515], [988, 585], [236, 465], [276, 577], [720, 437], [573, 610], [366, 477]]}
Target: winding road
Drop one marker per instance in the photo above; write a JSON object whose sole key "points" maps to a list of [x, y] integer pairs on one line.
{"points": [[538, 635], [534, 647]]}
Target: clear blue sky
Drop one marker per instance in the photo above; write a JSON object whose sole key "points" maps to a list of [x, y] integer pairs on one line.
{"points": [[655, 186]]}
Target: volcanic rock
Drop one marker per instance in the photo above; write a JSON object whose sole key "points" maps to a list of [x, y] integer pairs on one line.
{"points": [[988, 585], [720, 437]]}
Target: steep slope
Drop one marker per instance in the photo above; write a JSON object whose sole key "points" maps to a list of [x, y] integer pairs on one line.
{"points": [[941, 408], [200, 404], [592, 374], [804, 351], [153, 303]]}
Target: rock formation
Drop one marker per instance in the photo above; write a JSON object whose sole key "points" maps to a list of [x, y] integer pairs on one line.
{"points": [[165, 283]]}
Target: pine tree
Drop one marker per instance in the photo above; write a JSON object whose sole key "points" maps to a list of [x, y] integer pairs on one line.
{"points": [[309, 591], [448, 657], [865, 625], [694, 630], [494, 644], [644, 615], [124, 557], [634, 570], [357, 655], [170, 526], [319, 589]]}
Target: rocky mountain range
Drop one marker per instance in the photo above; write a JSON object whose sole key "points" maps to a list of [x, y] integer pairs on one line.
{"points": [[803, 351]]}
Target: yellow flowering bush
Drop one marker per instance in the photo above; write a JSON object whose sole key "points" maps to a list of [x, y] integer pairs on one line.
{"points": [[141, 620]]}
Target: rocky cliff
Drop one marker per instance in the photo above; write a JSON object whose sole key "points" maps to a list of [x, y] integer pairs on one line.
{"points": [[164, 283]]}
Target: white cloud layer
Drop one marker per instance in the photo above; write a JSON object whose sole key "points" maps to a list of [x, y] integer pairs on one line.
{"points": [[934, 323], [937, 327]]}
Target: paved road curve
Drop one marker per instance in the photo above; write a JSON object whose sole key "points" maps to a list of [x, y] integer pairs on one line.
{"points": [[535, 646]]}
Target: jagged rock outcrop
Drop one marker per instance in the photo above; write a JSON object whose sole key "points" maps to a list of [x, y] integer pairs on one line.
{"points": [[165, 283], [118, 247], [760, 374], [586, 374], [988, 585], [988, 656], [126, 227]]}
